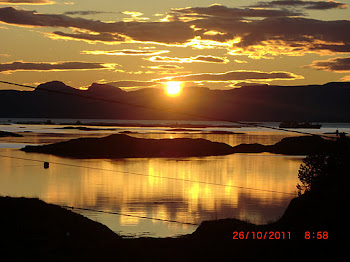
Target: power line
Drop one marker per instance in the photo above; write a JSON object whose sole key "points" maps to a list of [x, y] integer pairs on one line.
{"points": [[167, 110], [128, 215], [139, 174], [148, 175]]}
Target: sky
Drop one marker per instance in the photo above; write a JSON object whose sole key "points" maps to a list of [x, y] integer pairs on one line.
{"points": [[142, 44]]}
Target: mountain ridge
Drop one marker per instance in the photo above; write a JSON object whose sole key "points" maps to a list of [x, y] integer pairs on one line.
{"points": [[328, 102]]}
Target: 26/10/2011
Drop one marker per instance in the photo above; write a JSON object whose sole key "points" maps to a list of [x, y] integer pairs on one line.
{"points": [[261, 235]]}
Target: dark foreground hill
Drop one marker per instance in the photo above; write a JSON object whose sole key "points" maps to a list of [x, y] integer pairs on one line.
{"points": [[328, 102], [124, 146], [34, 230]]}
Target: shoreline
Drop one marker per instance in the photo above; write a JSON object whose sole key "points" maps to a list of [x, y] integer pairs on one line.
{"points": [[61, 235]]}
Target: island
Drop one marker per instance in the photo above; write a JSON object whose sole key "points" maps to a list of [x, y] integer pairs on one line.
{"points": [[124, 146], [9, 134]]}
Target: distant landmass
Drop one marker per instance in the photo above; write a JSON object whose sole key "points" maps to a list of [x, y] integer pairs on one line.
{"points": [[9, 134], [124, 146], [328, 102]]}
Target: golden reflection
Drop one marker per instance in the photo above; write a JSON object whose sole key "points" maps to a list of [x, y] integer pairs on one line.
{"points": [[259, 171], [128, 220], [116, 185]]}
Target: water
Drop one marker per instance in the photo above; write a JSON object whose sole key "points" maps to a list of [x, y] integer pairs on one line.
{"points": [[142, 187]]}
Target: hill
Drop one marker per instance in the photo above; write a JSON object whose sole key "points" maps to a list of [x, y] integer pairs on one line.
{"points": [[124, 146]]}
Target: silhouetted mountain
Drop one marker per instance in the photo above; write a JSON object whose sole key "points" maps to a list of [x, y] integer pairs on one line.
{"points": [[327, 102], [56, 86]]}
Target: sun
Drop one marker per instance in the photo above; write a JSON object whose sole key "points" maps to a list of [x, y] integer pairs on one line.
{"points": [[173, 88]]}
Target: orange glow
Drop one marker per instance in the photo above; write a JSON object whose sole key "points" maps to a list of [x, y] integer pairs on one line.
{"points": [[173, 88]]}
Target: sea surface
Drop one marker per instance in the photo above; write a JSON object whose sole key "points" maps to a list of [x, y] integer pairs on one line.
{"points": [[252, 187]]}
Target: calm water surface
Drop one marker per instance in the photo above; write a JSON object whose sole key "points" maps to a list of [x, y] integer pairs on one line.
{"points": [[142, 186]]}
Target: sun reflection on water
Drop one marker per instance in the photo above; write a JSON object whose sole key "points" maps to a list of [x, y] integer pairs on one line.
{"points": [[153, 195]]}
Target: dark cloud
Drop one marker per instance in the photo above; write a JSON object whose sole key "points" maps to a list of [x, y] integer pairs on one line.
{"points": [[165, 67], [58, 66], [87, 12], [275, 34], [164, 32], [291, 35], [210, 59], [101, 37], [137, 52], [11, 15], [236, 75], [217, 10], [314, 5], [338, 64], [27, 2], [223, 26]]}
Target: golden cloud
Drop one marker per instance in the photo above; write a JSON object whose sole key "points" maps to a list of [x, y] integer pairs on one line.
{"points": [[269, 34], [235, 76], [196, 59], [27, 2]]}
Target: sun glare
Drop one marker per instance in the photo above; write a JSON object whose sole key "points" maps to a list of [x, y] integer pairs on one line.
{"points": [[173, 88]]}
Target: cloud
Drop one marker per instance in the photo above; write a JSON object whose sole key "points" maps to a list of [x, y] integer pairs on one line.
{"points": [[268, 34], [56, 66], [210, 59], [88, 37], [137, 52], [274, 35], [164, 67], [89, 12], [167, 69], [236, 75], [217, 10], [168, 33], [199, 58], [27, 2], [280, 35], [338, 65], [135, 16], [313, 5]]}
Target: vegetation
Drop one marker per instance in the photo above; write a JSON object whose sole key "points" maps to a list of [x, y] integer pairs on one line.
{"points": [[324, 170], [314, 169]]}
